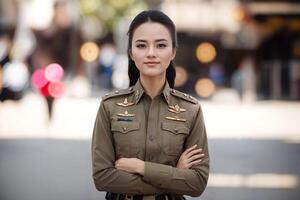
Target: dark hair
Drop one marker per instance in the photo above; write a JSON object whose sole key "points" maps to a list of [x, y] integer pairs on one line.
{"points": [[151, 16]]}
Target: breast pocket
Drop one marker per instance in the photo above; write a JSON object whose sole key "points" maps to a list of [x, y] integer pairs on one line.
{"points": [[173, 137], [125, 136]]}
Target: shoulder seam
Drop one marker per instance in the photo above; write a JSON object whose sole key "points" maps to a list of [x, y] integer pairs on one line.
{"points": [[184, 96], [117, 93]]}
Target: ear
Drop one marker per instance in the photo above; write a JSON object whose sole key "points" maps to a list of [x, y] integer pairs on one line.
{"points": [[174, 53]]}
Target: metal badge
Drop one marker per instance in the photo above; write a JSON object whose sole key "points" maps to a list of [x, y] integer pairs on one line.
{"points": [[125, 103], [125, 114], [176, 109], [176, 118]]}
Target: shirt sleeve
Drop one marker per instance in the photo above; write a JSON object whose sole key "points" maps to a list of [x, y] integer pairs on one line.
{"points": [[106, 176], [191, 181]]}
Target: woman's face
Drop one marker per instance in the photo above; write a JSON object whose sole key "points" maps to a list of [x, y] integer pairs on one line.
{"points": [[152, 49]]}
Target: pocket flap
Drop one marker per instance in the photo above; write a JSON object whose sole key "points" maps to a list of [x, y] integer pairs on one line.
{"points": [[125, 127], [175, 128]]}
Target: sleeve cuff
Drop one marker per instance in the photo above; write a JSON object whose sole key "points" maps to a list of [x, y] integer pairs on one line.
{"points": [[157, 174]]}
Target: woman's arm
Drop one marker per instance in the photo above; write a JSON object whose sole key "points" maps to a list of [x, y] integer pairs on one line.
{"points": [[191, 156], [106, 176]]}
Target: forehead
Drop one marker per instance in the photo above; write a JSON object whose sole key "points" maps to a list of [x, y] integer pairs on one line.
{"points": [[151, 31]]}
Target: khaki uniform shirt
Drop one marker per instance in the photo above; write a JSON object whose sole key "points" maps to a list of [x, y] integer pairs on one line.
{"points": [[130, 124]]}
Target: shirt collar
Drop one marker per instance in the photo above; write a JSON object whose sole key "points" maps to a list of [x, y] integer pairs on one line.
{"points": [[139, 91]]}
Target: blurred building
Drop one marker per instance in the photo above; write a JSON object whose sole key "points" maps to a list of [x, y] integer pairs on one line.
{"points": [[255, 45], [250, 46]]}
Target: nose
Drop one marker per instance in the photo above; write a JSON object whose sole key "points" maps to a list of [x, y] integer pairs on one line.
{"points": [[151, 52]]}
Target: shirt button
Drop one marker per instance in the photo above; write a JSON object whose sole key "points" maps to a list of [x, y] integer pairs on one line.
{"points": [[124, 129]]}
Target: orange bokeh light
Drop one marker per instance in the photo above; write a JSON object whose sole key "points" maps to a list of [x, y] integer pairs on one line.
{"points": [[89, 51], [205, 87], [206, 52], [181, 76]]}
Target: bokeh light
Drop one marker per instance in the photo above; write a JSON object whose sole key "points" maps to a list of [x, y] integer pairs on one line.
{"points": [[238, 14], [54, 72], [181, 76], [45, 90], [204, 87], [38, 78], [15, 76], [89, 51], [120, 79], [38, 14], [56, 89], [47, 80], [206, 52], [107, 55]]}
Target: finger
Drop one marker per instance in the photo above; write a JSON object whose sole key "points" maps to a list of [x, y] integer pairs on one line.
{"points": [[195, 157], [190, 149], [196, 162], [193, 152]]}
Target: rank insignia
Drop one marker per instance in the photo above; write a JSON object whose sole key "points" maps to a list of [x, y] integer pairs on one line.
{"points": [[176, 109], [125, 103], [125, 114], [176, 119]]}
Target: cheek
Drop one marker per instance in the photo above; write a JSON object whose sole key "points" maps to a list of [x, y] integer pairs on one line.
{"points": [[167, 56], [137, 56]]}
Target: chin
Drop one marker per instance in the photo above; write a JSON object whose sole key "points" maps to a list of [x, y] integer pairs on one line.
{"points": [[153, 73]]}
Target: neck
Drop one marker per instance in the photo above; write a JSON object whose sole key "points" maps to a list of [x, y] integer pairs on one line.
{"points": [[153, 85]]}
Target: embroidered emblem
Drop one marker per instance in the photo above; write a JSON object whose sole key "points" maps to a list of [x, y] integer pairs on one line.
{"points": [[125, 103], [176, 118], [125, 114], [176, 109]]}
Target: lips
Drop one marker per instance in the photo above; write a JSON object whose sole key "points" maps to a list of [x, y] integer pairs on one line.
{"points": [[151, 63]]}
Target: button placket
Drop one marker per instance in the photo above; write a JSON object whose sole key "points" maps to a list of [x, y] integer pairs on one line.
{"points": [[151, 146]]}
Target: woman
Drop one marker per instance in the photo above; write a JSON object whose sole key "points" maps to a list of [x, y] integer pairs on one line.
{"points": [[149, 141]]}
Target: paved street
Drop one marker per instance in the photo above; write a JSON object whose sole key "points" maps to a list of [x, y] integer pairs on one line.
{"points": [[47, 169]]}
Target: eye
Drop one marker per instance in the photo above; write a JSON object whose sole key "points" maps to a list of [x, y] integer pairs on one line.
{"points": [[140, 46], [161, 45]]}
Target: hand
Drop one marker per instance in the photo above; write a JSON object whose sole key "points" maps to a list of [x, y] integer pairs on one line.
{"points": [[190, 157], [131, 165]]}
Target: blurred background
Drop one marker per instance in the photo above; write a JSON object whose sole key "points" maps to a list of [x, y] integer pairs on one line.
{"points": [[240, 58]]}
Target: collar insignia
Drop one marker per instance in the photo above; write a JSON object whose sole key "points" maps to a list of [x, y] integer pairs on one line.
{"points": [[125, 103]]}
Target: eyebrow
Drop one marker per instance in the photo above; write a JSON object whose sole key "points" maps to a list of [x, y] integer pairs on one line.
{"points": [[158, 40]]}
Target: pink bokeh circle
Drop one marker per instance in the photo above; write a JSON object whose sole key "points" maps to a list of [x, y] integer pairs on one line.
{"points": [[54, 72], [38, 78]]}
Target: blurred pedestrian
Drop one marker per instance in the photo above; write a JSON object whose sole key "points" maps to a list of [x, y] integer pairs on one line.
{"points": [[149, 141], [54, 44]]}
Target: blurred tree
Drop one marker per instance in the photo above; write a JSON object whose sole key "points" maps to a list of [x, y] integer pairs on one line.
{"points": [[98, 17]]}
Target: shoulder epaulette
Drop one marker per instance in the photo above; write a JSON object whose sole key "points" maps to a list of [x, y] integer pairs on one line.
{"points": [[117, 93], [184, 96]]}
